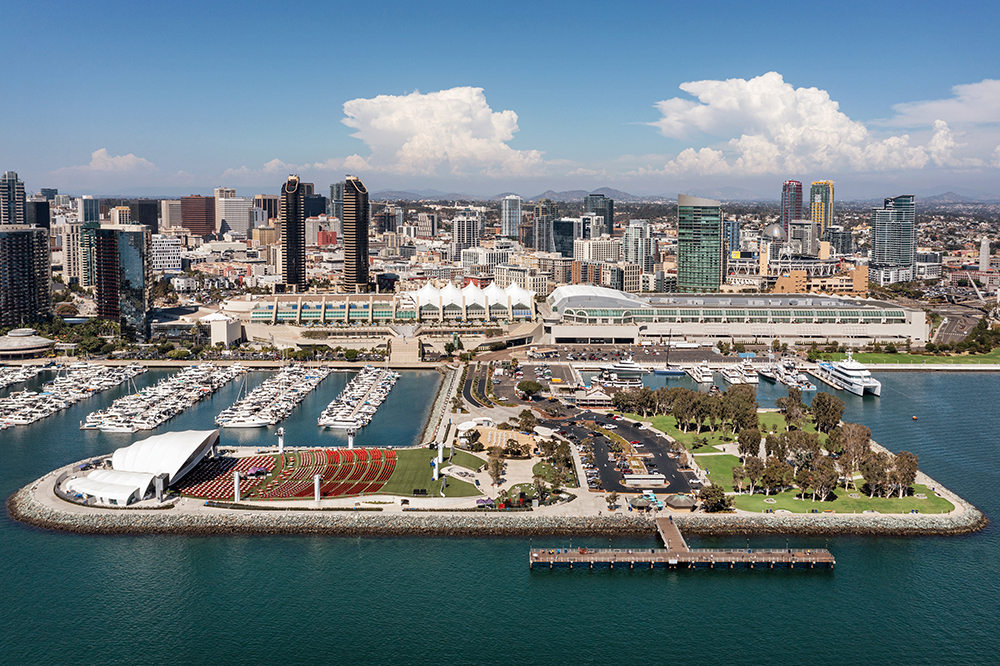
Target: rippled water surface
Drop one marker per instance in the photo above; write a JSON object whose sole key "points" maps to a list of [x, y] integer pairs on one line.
{"points": [[72, 599]]}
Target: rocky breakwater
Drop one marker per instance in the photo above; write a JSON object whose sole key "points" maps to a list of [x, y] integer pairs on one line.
{"points": [[24, 505]]}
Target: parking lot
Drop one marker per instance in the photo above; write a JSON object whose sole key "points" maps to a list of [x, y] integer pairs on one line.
{"points": [[540, 372], [653, 450]]}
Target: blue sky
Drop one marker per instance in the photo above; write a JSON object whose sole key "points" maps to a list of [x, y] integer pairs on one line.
{"points": [[651, 98]]}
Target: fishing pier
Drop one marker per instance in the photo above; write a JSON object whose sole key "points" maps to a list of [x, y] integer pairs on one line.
{"points": [[677, 555]]}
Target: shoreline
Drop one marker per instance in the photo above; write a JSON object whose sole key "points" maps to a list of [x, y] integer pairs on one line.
{"points": [[25, 506]]}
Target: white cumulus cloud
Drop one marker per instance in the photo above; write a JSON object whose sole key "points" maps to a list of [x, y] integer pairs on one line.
{"points": [[102, 161], [773, 127], [971, 103], [449, 132]]}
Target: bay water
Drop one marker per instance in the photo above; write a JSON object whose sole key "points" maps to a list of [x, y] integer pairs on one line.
{"points": [[75, 599]]}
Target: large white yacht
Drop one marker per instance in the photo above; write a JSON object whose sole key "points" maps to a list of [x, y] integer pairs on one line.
{"points": [[625, 367], [849, 374], [701, 373]]}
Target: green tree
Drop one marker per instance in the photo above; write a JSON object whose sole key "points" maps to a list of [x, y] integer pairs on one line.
{"points": [[714, 498], [755, 471], [824, 478], [827, 410], [749, 442], [611, 498], [739, 476], [527, 420], [904, 472], [529, 387], [351, 354]]}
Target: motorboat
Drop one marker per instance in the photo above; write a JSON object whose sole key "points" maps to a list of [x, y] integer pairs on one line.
{"points": [[611, 379], [626, 366], [732, 375]]}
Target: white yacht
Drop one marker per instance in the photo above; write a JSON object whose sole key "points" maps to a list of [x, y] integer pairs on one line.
{"points": [[849, 374], [611, 379], [701, 373], [732, 375], [626, 366], [749, 372]]}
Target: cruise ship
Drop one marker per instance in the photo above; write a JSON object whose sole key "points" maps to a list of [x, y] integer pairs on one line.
{"points": [[849, 375]]}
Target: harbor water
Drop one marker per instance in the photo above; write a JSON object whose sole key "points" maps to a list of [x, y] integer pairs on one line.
{"points": [[72, 599]]}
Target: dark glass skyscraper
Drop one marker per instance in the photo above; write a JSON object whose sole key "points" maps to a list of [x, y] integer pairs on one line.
{"points": [[355, 235], [791, 203], [198, 214], [37, 212], [700, 244], [292, 232], [123, 277], [145, 211], [25, 273], [603, 206]]}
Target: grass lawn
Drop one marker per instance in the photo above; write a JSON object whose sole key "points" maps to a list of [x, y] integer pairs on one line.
{"points": [[719, 468], [413, 470], [668, 424], [465, 459], [875, 359], [546, 471], [845, 504]]}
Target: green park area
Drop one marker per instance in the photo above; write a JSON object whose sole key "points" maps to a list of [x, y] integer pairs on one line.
{"points": [[842, 502], [666, 423], [413, 470], [465, 459], [719, 468]]}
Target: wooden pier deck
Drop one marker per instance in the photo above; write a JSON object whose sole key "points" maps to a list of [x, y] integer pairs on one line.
{"points": [[677, 554]]}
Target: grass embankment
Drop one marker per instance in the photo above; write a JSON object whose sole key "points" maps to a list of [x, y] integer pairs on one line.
{"points": [[466, 460], [917, 359], [843, 503], [413, 470]]}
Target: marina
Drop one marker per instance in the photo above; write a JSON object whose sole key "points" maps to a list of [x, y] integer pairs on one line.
{"points": [[154, 405], [356, 406], [17, 374], [274, 399], [71, 385]]}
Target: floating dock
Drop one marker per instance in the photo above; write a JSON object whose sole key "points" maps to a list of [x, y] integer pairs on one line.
{"points": [[677, 555]]}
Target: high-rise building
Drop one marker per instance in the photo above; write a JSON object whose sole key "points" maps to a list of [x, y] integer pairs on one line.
{"points": [[355, 224], [144, 211], [427, 225], [314, 205], [840, 239], [71, 252], [597, 249], [465, 232], [123, 277], [220, 194], [233, 214], [11, 199], [603, 206], [88, 209], [593, 225], [25, 275], [731, 231], [37, 212], [120, 215], [700, 244], [564, 232], [269, 202], [639, 245], [292, 232], [170, 214], [198, 215], [542, 234], [165, 253], [791, 203], [984, 254], [546, 207], [803, 237], [821, 203], [510, 215], [894, 240], [49, 193], [88, 243], [336, 204]]}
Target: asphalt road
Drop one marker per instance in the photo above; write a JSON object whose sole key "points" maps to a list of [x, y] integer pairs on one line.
{"points": [[467, 388], [960, 322]]}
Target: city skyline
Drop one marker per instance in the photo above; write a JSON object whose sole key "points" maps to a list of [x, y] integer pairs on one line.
{"points": [[871, 114]]}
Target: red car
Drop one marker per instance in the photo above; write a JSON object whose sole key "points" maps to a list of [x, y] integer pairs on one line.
{"points": [[635, 442]]}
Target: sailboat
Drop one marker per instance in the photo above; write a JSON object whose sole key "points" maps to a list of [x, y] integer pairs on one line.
{"points": [[666, 369]]}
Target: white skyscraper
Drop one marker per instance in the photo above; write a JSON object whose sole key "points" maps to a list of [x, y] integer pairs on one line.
{"points": [[235, 212], [220, 194], [984, 254], [170, 214], [510, 215], [639, 245]]}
